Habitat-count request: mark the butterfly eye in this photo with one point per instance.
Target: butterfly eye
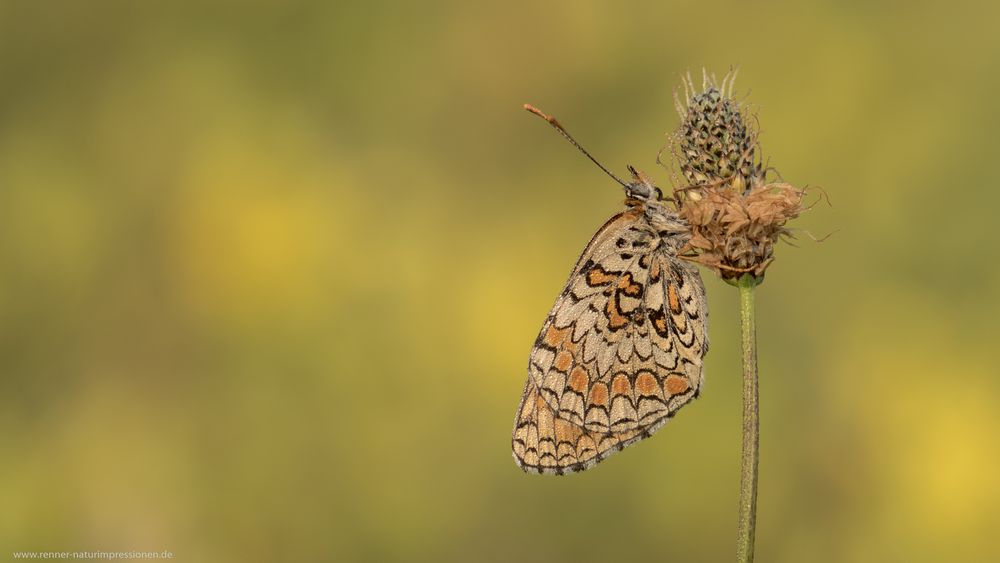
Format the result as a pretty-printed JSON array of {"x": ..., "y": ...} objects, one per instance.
[{"x": 659, "y": 194}]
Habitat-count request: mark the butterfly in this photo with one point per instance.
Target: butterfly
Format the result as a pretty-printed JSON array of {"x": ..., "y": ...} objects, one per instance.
[{"x": 622, "y": 349}]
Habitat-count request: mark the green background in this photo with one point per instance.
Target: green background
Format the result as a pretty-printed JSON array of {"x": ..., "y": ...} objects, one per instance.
[{"x": 270, "y": 272}]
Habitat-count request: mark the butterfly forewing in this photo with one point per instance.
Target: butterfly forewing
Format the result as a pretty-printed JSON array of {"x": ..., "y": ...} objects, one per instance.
[{"x": 620, "y": 352}]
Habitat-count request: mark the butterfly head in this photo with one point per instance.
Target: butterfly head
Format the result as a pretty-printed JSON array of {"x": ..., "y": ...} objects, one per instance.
[
  {"x": 641, "y": 187},
  {"x": 643, "y": 194}
]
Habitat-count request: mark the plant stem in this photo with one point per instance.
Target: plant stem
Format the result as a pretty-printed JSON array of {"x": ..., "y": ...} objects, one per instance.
[{"x": 751, "y": 424}]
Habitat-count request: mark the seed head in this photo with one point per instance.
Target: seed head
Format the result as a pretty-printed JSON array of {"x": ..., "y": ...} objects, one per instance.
[
  {"x": 714, "y": 140},
  {"x": 735, "y": 215}
]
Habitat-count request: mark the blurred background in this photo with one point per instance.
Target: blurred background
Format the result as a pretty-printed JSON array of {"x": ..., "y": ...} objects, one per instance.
[{"x": 270, "y": 273}]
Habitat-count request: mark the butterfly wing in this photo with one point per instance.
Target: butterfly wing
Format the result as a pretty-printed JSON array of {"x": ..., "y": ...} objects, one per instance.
[
  {"x": 620, "y": 352},
  {"x": 545, "y": 443}
]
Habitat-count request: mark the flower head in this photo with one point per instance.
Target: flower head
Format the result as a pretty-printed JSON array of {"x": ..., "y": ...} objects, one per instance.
[{"x": 736, "y": 216}]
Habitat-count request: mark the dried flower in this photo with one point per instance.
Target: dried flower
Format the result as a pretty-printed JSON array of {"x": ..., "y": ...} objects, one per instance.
[{"x": 736, "y": 215}]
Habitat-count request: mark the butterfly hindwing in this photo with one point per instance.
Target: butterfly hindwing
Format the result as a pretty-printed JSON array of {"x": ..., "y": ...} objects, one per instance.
[{"x": 620, "y": 352}]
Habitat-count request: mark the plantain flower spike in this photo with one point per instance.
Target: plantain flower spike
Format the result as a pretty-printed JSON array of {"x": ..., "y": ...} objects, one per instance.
[{"x": 736, "y": 215}]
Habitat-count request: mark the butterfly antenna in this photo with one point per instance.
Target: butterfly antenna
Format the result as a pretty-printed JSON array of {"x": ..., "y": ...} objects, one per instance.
[{"x": 552, "y": 121}]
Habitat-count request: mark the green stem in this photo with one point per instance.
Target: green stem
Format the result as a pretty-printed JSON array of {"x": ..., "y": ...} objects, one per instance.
[{"x": 751, "y": 424}]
